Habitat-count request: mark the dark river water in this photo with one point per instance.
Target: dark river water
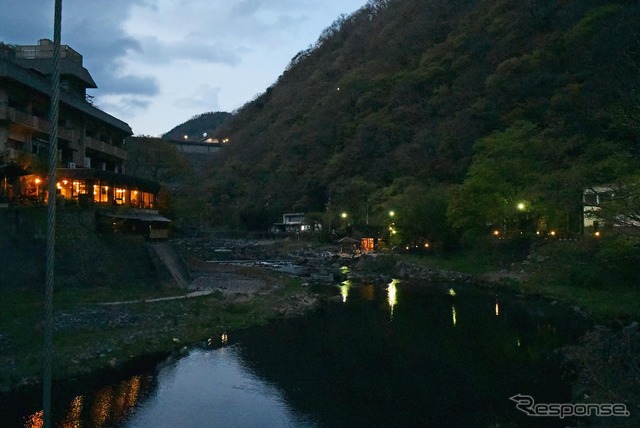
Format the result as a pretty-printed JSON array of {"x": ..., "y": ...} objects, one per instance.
[{"x": 399, "y": 355}]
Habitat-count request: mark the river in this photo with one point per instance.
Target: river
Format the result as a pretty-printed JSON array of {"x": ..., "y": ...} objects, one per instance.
[{"x": 398, "y": 355}]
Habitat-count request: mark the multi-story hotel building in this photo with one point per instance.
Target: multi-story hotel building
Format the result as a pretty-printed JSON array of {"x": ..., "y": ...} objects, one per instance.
[{"x": 91, "y": 143}]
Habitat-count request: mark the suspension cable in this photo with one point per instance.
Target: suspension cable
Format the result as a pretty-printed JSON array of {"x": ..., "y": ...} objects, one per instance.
[{"x": 51, "y": 219}]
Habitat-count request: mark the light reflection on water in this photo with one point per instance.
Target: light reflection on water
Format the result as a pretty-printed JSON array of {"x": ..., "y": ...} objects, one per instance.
[
  {"x": 345, "y": 286},
  {"x": 343, "y": 365},
  {"x": 205, "y": 388},
  {"x": 410, "y": 355},
  {"x": 108, "y": 405},
  {"x": 213, "y": 388},
  {"x": 454, "y": 315},
  {"x": 392, "y": 295}
]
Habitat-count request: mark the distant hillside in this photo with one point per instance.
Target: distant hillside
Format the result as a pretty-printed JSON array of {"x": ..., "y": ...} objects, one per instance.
[
  {"x": 393, "y": 103},
  {"x": 178, "y": 173},
  {"x": 195, "y": 127}
]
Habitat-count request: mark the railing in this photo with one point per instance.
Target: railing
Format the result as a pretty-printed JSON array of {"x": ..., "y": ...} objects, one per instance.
[
  {"x": 34, "y": 122},
  {"x": 107, "y": 148},
  {"x": 46, "y": 52}
]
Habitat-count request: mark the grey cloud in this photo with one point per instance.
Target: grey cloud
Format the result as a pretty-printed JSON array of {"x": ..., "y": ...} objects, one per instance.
[
  {"x": 246, "y": 8},
  {"x": 93, "y": 28},
  {"x": 124, "y": 106},
  {"x": 130, "y": 84},
  {"x": 205, "y": 97},
  {"x": 149, "y": 4},
  {"x": 155, "y": 51},
  {"x": 262, "y": 20},
  {"x": 139, "y": 103},
  {"x": 102, "y": 59},
  {"x": 25, "y": 21}
]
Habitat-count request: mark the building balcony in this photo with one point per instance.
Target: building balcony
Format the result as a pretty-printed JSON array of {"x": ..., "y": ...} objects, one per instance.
[
  {"x": 106, "y": 148},
  {"x": 34, "y": 122}
]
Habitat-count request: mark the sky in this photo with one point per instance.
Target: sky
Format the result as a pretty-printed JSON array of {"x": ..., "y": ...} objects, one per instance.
[{"x": 157, "y": 63}]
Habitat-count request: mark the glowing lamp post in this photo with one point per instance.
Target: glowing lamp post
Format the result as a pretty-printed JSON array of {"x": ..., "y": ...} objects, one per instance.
[{"x": 523, "y": 217}]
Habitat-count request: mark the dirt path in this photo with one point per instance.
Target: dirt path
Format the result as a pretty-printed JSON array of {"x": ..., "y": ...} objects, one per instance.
[{"x": 162, "y": 299}]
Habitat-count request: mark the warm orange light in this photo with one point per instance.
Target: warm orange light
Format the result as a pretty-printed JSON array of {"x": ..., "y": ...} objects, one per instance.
[
  {"x": 496, "y": 232},
  {"x": 65, "y": 182},
  {"x": 552, "y": 233},
  {"x": 426, "y": 245},
  {"x": 38, "y": 181},
  {"x": 35, "y": 421},
  {"x": 597, "y": 234}
]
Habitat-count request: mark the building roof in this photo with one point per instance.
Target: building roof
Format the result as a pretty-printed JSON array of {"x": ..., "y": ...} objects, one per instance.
[
  {"x": 12, "y": 170},
  {"x": 10, "y": 69},
  {"x": 40, "y": 58},
  {"x": 140, "y": 215},
  {"x": 67, "y": 68}
]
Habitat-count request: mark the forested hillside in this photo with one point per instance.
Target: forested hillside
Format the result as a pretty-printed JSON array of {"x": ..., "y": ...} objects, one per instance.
[
  {"x": 450, "y": 112},
  {"x": 197, "y": 125}
]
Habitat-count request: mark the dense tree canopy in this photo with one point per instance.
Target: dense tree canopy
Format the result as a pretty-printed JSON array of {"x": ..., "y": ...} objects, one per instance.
[
  {"x": 503, "y": 100},
  {"x": 197, "y": 126}
]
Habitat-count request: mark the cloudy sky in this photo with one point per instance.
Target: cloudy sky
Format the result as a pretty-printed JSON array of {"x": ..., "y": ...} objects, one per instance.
[{"x": 157, "y": 63}]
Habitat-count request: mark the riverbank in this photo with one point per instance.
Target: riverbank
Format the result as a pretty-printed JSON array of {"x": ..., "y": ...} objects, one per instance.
[
  {"x": 93, "y": 269},
  {"x": 233, "y": 289},
  {"x": 105, "y": 328}
]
